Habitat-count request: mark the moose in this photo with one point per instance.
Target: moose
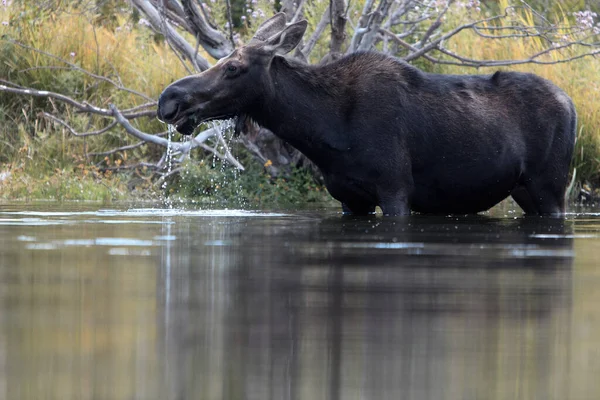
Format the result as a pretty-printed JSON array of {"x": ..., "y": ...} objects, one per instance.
[{"x": 385, "y": 133}]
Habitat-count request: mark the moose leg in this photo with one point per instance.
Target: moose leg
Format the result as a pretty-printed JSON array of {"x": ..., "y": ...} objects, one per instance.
[
  {"x": 542, "y": 197},
  {"x": 395, "y": 205},
  {"x": 524, "y": 200},
  {"x": 549, "y": 202}
]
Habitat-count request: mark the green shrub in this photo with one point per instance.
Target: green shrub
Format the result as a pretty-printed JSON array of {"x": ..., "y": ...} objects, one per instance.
[{"x": 217, "y": 184}]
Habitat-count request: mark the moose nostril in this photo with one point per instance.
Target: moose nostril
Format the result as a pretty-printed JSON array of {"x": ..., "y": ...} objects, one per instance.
[{"x": 167, "y": 110}]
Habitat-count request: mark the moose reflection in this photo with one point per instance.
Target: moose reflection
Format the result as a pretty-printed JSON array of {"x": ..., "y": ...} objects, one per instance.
[
  {"x": 326, "y": 310},
  {"x": 384, "y": 133}
]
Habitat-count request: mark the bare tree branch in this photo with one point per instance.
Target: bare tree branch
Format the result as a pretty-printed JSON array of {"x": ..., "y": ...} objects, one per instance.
[
  {"x": 434, "y": 26},
  {"x": 65, "y": 99},
  {"x": 118, "y": 149},
  {"x": 372, "y": 28},
  {"x": 178, "y": 41},
  {"x": 298, "y": 13},
  {"x": 434, "y": 44},
  {"x": 213, "y": 41},
  {"x": 361, "y": 27},
  {"x": 533, "y": 59},
  {"x": 133, "y": 166},
  {"x": 81, "y": 106},
  {"x": 400, "y": 11},
  {"x": 174, "y": 11},
  {"x": 468, "y": 62},
  {"x": 176, "y": 147},
  {"x": 230, "y": 22},
  {"x": 166, "y": 175},
  {"x": 337, "y": 21},
  {"x": 310, "y": 43}
]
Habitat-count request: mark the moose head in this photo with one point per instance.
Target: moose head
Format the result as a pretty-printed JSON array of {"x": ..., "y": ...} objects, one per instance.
[{"x": 234, "y": 84}]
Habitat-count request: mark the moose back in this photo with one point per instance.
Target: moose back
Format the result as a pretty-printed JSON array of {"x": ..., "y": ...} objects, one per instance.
[{"x": 384, "y": 133}]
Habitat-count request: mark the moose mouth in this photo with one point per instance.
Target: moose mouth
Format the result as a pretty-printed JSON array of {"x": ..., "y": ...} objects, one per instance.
[{"x": 187, "y": 124}]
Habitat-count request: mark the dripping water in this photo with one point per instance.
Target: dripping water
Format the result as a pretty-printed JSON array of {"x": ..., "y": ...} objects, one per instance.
[{"x": 169, "y": 166}]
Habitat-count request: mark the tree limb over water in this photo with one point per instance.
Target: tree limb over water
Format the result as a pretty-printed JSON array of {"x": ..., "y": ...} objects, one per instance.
[{"x": 123, "y": 118}]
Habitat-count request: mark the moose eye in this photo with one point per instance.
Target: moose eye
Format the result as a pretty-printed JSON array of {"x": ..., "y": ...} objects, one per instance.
[{"x": 231, "y": 69}]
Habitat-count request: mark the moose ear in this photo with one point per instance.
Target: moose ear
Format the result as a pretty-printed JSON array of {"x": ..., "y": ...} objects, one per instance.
[
  {"x": 270, "y": 27},
  {"x": 283, "y": 42}
]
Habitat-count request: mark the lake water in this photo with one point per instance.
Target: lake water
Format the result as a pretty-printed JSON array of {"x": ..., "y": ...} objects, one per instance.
[{"x": 141, "y": 303}]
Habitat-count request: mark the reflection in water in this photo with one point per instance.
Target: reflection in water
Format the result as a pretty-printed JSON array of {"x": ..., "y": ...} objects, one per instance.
[{"x": 306, "y": 306}]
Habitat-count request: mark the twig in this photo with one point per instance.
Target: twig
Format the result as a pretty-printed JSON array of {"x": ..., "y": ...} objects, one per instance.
[
  {"x": 228, "y": 156},
  {"x": 230, "y": 22},
  {"x": 531, "y": 60},
  {"x": 206, "y": 15},
  {"x": 74, "y": 132},
  {"x": 432, "y": 45},
  {"x": 131, "y": 166},
  {"x": 298, "y": 13},
  {"x": 140, "y": 107},
  {"x": 400, "y": 11},
  {"x": 435, "y": 25},
  {"x": 366, "y": 40},
  {"x": 118, "y": 149},
  {"x": 127, "y": 147},
  {"x": 164, "y": 176},
  {"x": 406, "y": 45},
  {"x": 468, "y": 62}
]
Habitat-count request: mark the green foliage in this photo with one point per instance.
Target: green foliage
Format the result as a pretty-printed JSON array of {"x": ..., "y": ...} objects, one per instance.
[
  {"x": 217, "y": 184},
  {"x": 62, "y": 185},
  {"x": 33, "y": 147}
]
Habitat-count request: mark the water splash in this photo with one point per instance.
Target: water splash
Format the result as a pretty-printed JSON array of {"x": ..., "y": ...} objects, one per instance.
[{"x": 222, "y": 143}]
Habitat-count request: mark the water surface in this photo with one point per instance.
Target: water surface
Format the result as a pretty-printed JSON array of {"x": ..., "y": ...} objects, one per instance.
[{"x": 143, "y": 303}]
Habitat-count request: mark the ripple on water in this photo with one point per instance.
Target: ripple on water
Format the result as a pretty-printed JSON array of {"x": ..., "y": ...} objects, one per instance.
[
  {"x": 566, "y": 236},
  {"x": 102, "y": 241},
  {"x": 201, "y": 213},
  {"x": 45, "y": 218}
]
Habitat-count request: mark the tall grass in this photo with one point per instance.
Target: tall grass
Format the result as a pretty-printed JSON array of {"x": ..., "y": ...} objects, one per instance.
[
  {"x": 124, "y": 53},
  {"x": 129, "y": 56}
]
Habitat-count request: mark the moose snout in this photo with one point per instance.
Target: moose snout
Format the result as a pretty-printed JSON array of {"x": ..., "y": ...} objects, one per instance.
[
  {"x": 169, "y": 104},
  {"x": 167, "y": 110}
]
